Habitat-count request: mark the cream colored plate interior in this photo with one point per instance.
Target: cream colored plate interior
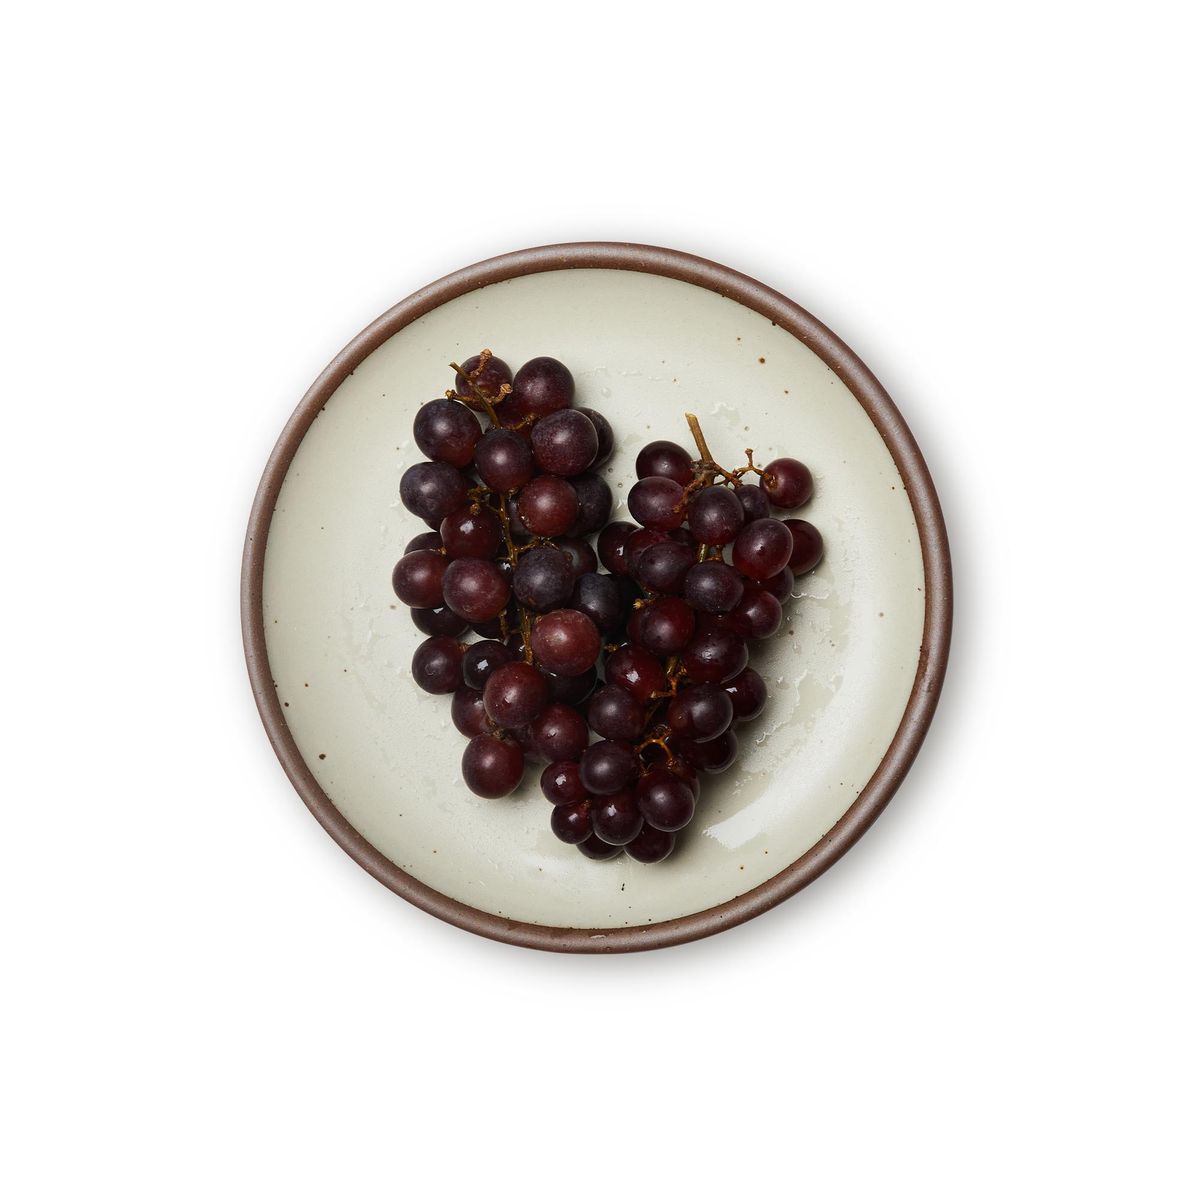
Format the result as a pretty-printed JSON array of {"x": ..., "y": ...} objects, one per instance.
[{"x": 644, "y": 350}]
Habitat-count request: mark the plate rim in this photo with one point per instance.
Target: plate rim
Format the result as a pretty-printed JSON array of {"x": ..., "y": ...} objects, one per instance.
[{"x": 931, "y": 529}]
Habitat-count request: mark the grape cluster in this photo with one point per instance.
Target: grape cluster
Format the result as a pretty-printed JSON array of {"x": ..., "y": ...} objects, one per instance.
[{"x": 706, "y": 570}]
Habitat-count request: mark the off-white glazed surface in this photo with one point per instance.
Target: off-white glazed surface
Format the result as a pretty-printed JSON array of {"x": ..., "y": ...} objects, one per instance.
[{"x": 643, "y": 350}]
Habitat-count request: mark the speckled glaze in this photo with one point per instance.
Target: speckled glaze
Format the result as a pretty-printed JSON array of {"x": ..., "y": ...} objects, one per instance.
[{"x": 853, "y": 675}]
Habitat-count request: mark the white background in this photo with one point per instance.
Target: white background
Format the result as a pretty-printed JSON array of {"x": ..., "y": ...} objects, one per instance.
[{"x": 994, "y": 994}]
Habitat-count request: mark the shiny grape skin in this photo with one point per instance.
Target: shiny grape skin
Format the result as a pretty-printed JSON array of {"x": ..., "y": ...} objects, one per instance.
[
  {"x": 700, "y": 712},
  {"x": 558, "y": 733},
  {"x": 714, "y": 516},
  {"x": 712, "y": 587},
  {"x": 481, "y": 659},
  {"x": 748, "y": 692},
  {"x": 715, "y": 655},
  {"x": 561, "y": 785},
  {"x": 437, "y": 665},
  {"x": 599, "y": 597},
  {"x": 475, "y": 589},
  {"x": 637, "y": 671},
  {"x": 542, "y": 386},
  {"x": 663, "y": 568},
  {"x": 616, "y": 819},
  {"x": 516, "y": 527},
  {"x": 713, "y": 756},
  {"x": 651, "y": 845},
  {"x": 543, "y": 579},
  {"x": 571, "y": 823},
  {"x": 610, "y": 545},
  {"x": 418, "y": 577},
  {"x": 579, "y": 554},
  {"x": 665, "y": 626},
  {"x": 666, "y": 801},
  {"x": 492, "y": 767},
  {"x": 753, "y": 500},
  {"x": 438, "y": 622},
  {"x": 514, "y": 694},
  {"x": 597, "y": 849},
  {"x": 780, "y": 586},
  {"x": 808, "y": 547},
  {"x": 595, "y": 504},
  {"x": 657, "y": 503},
  {"x": 471, "y": 532},
  {"x": 604, "y": 436},
  {"x": 445, "y": 431},
  {"x": 432, "y": 491},
  {"x": 608, "y": 767},
  {"x": 571, "y": 689},
  {"x": 639, "y": 541},
  {"x": 787, "y": 482},
  {"x": 548, "y": 506},
  {"x": 488, "y": 381},
  {"x": 430, "y": 540},
  {"x": 468, "y": 713},
  {"x": 762, "y": 549},
  {"x": 504, "y": 460},
  {"x": 758, "y": 615},
  {"x": 665, "y": 459},
  {"x": 565, "y": 442},
  {"x": 616, "y": 714},
  {"x": 565, "y": 642}
]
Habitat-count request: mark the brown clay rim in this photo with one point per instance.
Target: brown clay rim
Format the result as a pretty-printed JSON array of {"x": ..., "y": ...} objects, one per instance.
[{"x": 931, "y": 666}]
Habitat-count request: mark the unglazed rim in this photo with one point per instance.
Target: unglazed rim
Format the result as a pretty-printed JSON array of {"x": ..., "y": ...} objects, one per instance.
[{"x": 931, "y": 664}]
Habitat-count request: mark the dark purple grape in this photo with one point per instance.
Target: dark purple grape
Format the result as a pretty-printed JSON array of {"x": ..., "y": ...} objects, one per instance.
[
  {"x": 665, "y": 459},
  {"x": 714, "y": 516},
  {"x": 430, "y": 540},
  {"x": 571, "y": 823},
  {"x": 616, "y": 819},
  {"x": 571, "y": 689},
  {"x": 639, "y": 541},
  {"x": 418, "y": 577},
  {"x": 438, "y": 622},
  {"x": 595, "y": 504},
  {"x": 607, "y": 767},
  {"x": 475, "y": 589},
  {"x": 548, "y": 506},
  {"x": 713, "y": 587},
  {"x": 748, "y": 693},
  {"x": 651, "y": 845},
  {"x": 604, "y": 436},
  {"x": 481, "y": 659},
  {"x": 432, "y": 490},
  {"x": 780, "y": 586},
  {"x": 657, "y": 503},
  {"x": 543, "y": 579},
  {"x": 637, "y": 671},
  {"x": 598, "y": 597},
  {"x": 753, "y": 500},
  {"x": 788, "y": 482},
  {"x": 616, "y": 714},
  {"x": 516, "y": 527},
  {"x": 504, "y": 460},
  {"x": 762, "y": 549},
  {"x": 446, "y": 432},
  {"x": 561, "y": 784},
  {"x": 565, "y": 642},
  {"x": 700, "y": 712},
  {"x": 467, "y": 712},
  {"x": 663, "y": 626},
  {"x": 471, "y": 532},
  {"x": 565, "y": 442},
  {"x": 514, "y": 694},
  {"x": 579, "y": 554},
  {"x": 610, "y": 545},
  {"x": 714, "y": 656},
  {"x": 542, "y": 386},
  {"x": 665, "y": 800},
  {"x": 558, "y": 733},
  {"x": 807, "y": 545},
  {"x": 487, "y": 379},
  {"x": 662, "y": 568},
  {"x": 598, "y": 849},
  {"x": 758, "y": 614},
  {"x": 437, "y": 665},
  {"x": 713, "y": 756},
  {"x": 491, "y": 766}
]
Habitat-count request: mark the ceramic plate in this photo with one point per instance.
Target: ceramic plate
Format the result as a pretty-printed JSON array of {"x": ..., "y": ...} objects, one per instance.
[{"x": 649, "y": 334}]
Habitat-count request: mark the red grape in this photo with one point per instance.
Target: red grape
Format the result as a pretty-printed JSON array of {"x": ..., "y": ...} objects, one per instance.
[
  {"x": 762, "y": 549},
  {"x": 432, "y": 490},
  {"x": 700, "y": 712},
  {"x": 446, "y": 432},
  {"x": 514, "y": 694},
  {"x": 566, "y": 642},
  {"x": 565, "y": 442},
  {"x": 604, "y": 436},
  {"x": 607, "y": 767},
  {"x": 504, "y": 460},
  {"x": 543, "y": 579},
  {"x": 475, "y": 589},
  {"x": 561, "y": 785},
  {"x": 471, "y": 532},
  {"x": 481, "y": 659},
  {"x": 467, "y": 712},
  {"x": 748, "y": 693},
  {"x": 657, "y": 503},
  {"x": 616, "y": 819},
  {"x": 417, "y": 579},
  {"x": 714, "y": 655},
  {"x": 663, "y": 626},
  {"x": 437, "y": 665},
  {"x": 571, "y": 823},
  {"x": 637, "y": 671},
  {"x": 788, "y": 482},
  {"x": 807, "y": 545},
  {"x": 712, "y": 587},
  {"x": 598, "y": 849},
  {"x": 548, "y": 506},
  {"x": 491, "y": 766},
  {"x": 758, "y": 614},
  {"x": 651, "y": 845},
  {"x": 487, "y": 380},
  {"x": 714, "y": 516},
  {"x": 665, "y": 800},
  {"x": 542, "y": 386},
  {"x": 440, "y": 621},
  {"x": 665, "y": 459},
  {"x": 615, "y": 713},
  {"x": 558, "y": 733}
]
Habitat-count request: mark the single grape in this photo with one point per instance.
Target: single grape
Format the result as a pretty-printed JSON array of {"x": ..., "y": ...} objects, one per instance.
[
  {"x": 571, "y": 689},
  {"x": 753, "y": 500},
  {"x": 561, "y": 785},
  {"x": 662, "y": 568},
  {"x": 571, "y": 823},
  {"x": 543, "y": 579},
  {"x": 714, "y": 515},
  {"x": 467, "y": 712},
  {"x": 598, "y": 597},
  {"x": 665, "y": 459},
  {"x": 665, "y": 800},
  {"x": 475, "y": 589},
  {"x": 579, "y": 554},
  {"x": 446, "y": 431},
  {"x": 542, "y": 386},
  {"x": 639, "y": 541},
  {"x": 657, "y": 503},
  {"x": 610, "y": 545},
  {"x": 663, "y": 626},
  {"x": 616, "y": 714},
  {"x": 651, "y": 845},
  {"x": 607, "y": 767},
  {"x": 491, "y": 766},
  {"x": 712, "y": 587},
  {"x": 471, "y": 532},
  {"x": 748, "y": 693},
  {"x": 713, "y": 756},
  {"x": 418, "y": 577},
  {"x": 700, "y": 712},
  {"x": 780, "y": 586},
  {"x": 595, "y": 504},
  {"x": 604, "y": 436},
  {"x": 487, "y": 379},
  {"x": 432, "y": 491},
  {"x": 565, "y": 642},
  {"x": 616, "y": 819},
  {"x": 637, "y": 671},
  {"x": 514, "y": 694},
  {"x": 598, "y": 849},
  {"x": 758, "y": 614},
  {"x": 548, "y": 506},
  {"x": 481, "y": 659},
  {"x": 788, "y": 482},
  {"x": 438, "y": 622},
  {"x": 558, "y": 733},
  {"x": 807, "y": 545},
  {"x": 565, "y": 442},
  {"x": 714, "y": 655},
  {"x": 504, "y": 460},
  {"x": 430, "y": 540},
  {"x": 437, "y": 665},
  {"x": 762, "y": 549}
]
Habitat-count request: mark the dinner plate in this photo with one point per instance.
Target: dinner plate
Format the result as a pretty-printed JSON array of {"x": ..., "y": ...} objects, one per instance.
[{"x": 649, "y": 334}]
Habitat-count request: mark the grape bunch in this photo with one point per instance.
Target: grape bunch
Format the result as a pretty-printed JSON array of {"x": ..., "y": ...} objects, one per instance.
[{"x": 511, "y": 504}]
